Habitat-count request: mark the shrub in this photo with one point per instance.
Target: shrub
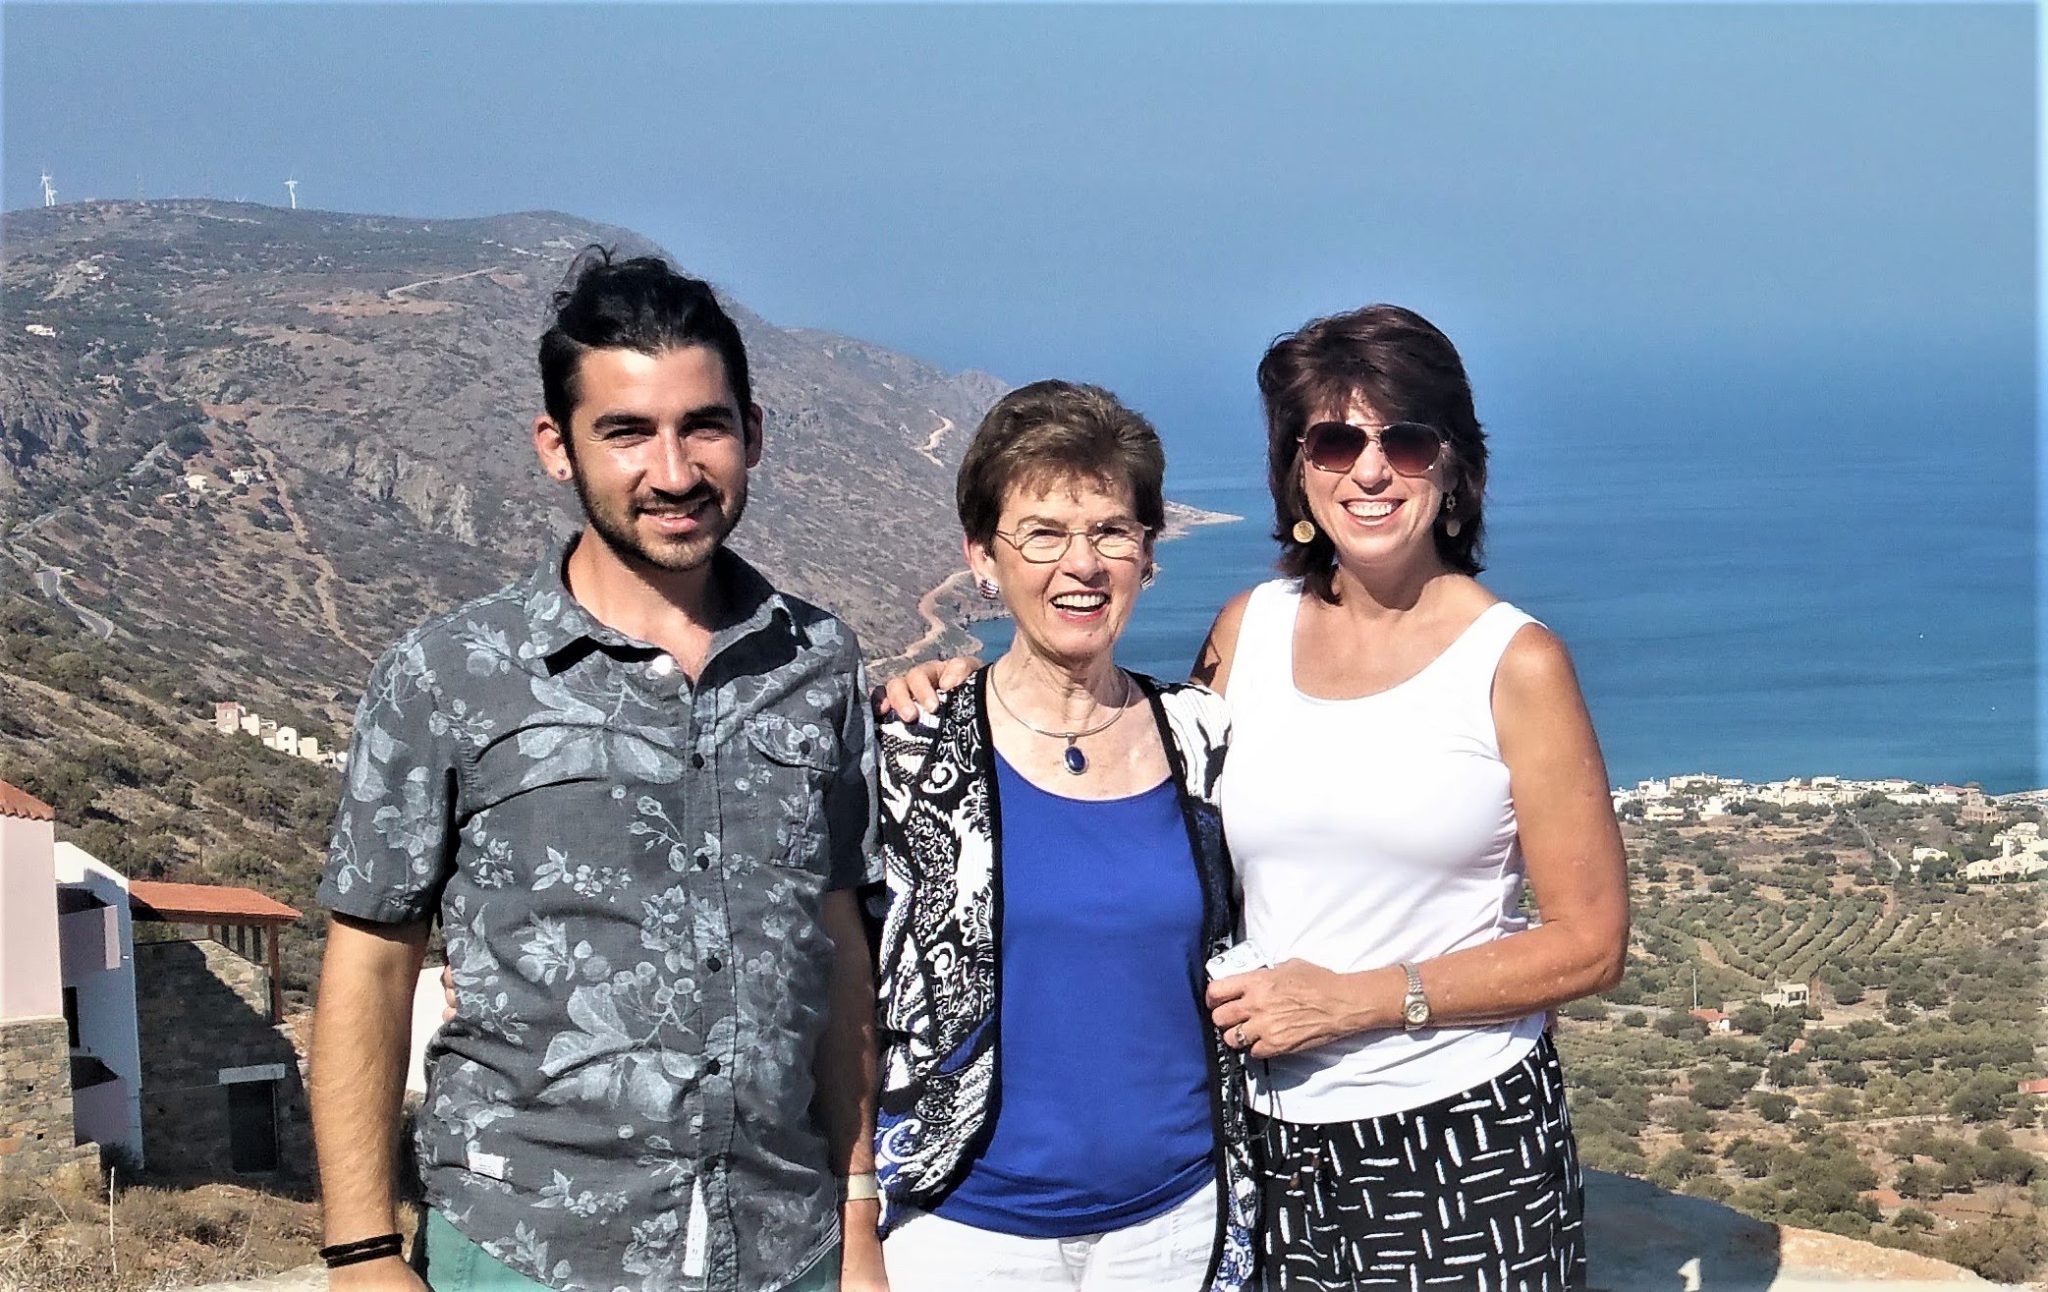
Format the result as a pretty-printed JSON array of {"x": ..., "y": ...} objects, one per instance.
[
  {"x": 1772, "y": 1106},
  {"x": 1981, "y": 1098},
  {"x": 1589, "y": 1010},
  {"x": 2004, "y": 1250}
]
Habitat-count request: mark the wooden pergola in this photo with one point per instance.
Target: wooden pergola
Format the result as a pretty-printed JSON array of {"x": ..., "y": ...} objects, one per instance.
[{"x": 241, "y": 919}]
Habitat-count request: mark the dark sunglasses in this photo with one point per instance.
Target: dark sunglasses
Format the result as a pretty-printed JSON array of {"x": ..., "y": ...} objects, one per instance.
[{"x": 1410, "y": 448}]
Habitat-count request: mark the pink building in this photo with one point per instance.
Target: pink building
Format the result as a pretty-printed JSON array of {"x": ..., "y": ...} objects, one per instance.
[{"x": 37, "y": 1136}]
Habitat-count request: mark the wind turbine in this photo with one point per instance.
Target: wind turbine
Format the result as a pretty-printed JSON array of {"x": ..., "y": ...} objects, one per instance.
[
  {"x": 49, "y": 191},
  {"x": 291, "y": 186}
]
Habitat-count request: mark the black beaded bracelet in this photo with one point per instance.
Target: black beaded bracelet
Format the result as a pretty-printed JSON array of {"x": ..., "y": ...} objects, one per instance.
[{"x": 363, "y": 1249}]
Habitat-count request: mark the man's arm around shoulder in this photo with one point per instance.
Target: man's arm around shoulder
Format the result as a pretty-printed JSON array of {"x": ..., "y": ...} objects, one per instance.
[{"x": 362, "y": 1035}]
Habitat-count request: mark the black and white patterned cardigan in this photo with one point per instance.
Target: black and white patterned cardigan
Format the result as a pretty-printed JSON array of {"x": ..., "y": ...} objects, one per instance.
[{"x": 938, "y": 985}]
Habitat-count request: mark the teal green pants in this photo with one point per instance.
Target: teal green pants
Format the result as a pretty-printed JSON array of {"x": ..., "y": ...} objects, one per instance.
[{"x": 455, "y": 1264}]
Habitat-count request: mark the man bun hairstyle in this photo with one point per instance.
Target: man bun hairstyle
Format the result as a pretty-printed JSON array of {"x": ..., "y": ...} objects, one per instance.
[
  {"x": 1398, "y": 364},
  {"x": 642, "y": 304}
]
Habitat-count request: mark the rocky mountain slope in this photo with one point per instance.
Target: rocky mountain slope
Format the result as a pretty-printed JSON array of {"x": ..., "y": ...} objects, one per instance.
[{"x": 258, "y": 443}]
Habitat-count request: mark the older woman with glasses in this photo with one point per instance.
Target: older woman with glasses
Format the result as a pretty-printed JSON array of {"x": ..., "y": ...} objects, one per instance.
[
  {"x": 1057, "y": 1110},
  {"x": 1407, "y": 751}
]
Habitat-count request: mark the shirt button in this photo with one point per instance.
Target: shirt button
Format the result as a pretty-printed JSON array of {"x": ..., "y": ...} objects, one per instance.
[
  {"x": 662, "y": 665},
  {"x": 703, "y": 861},
  {"x": 711, "y": 1070},
  {"x": 697, "y": 761},
  {"x": 713, "y": 963}
]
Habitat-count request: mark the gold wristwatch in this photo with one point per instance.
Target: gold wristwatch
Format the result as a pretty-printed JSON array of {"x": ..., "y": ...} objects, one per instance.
[{"x": 1414, "y": 1005}]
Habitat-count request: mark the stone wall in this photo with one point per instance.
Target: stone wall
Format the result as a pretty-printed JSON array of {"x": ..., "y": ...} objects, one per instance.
[
  {"x": 36, "y": 1136},
  {"x": 204, "y": 1010}
]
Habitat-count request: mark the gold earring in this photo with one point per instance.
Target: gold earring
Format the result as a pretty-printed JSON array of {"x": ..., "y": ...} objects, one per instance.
[{"x": 1304, "y": 532}]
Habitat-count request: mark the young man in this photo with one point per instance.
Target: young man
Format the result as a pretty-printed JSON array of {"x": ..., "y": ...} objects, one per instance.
[{"x": 637, "y": 790}]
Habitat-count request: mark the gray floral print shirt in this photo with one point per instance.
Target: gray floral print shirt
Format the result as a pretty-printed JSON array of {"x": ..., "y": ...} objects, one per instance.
[{"x": 629, "y": 872}]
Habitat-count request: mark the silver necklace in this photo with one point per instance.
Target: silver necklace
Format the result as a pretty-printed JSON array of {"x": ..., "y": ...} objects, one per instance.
[{"x": 1076, "y": 761}]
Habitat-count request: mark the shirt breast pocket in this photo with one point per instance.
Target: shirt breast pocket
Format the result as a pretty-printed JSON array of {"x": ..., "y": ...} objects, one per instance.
[{"x": 783, "y": 788}]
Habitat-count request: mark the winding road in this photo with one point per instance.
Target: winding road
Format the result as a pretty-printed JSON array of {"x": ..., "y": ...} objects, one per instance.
[
  {"x": 931, "y": 444},
  {"x": 50, "y": 580}
]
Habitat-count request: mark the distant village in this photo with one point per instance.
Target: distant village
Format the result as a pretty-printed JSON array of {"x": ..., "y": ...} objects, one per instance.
[
  {"x": 229, "y": 718},
  {"x": 2021, "y": 851}
]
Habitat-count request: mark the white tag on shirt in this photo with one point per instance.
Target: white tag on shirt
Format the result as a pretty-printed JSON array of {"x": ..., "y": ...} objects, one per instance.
[
  {"x": 487, "y": 1164},
  {"x": 696, "y": 1233}
]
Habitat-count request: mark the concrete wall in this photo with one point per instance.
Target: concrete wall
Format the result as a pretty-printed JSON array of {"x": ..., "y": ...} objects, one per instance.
[
  {"x": 205, "y": 1015},
  {"x": 107, "y": 1028},
  {"x": 30, "y": 985}
]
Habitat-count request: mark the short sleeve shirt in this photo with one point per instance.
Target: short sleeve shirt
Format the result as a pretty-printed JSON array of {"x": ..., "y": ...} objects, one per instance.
[{"x": 629, "y": 871}]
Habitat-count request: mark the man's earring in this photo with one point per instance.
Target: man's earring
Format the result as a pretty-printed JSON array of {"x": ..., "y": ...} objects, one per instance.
[
  {"x": 1304, "y": 532},
  {"x": 988, "y": 589}
]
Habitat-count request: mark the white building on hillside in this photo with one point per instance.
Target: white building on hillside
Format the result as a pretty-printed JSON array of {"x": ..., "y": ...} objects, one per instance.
[
  {"x": 96, "y": 937},
  {"x": 2019, "y": 865}
]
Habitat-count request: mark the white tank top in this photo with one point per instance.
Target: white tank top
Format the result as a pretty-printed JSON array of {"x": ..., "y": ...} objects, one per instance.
[{"x": 1368, "y": 832}]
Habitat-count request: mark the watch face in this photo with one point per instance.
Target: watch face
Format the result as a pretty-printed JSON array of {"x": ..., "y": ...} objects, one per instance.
[{"x": 1416, "y": 1012}]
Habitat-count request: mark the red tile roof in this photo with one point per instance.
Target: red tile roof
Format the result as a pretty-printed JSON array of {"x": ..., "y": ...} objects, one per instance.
[
  {"x": 205, "y": 903},
  {"x": 16, "y": 801}
]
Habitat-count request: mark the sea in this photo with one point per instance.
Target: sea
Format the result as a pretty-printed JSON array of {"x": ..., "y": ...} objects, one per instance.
[{"x": 1803, "y": 612}]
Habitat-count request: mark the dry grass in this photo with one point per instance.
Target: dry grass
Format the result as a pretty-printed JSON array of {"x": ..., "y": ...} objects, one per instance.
[{"x": 56, "y": 1239}]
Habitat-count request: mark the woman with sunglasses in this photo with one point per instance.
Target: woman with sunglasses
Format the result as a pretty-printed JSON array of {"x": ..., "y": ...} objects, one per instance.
[
  {"x": 1406, "y": 751},
  {"x": 1056, "y": 1109}
]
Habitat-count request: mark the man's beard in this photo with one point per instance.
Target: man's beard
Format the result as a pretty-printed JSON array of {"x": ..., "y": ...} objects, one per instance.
[{"x": 617, "y": 528}]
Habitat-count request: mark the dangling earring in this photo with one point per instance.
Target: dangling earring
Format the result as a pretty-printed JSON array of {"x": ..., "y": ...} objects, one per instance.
[
  {"x": 1452, "y": 525},
  {"x": 988, "y": 589},
  {"x": 1304, "y": 532},
  {"x": 1151, "y": 575}
]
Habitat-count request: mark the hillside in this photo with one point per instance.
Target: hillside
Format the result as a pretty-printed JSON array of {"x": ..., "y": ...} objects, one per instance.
[
  {"x": 1886, "y": 1108},
  {"x": 256, "y": 444}
]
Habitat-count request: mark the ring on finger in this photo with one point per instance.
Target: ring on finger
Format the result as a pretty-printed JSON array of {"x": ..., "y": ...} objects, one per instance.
[{"x": 1240, "y": 1036}]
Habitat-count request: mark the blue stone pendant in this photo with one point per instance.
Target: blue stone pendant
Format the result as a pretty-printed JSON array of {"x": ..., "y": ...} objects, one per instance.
[{"x": 1077, "y": 762}]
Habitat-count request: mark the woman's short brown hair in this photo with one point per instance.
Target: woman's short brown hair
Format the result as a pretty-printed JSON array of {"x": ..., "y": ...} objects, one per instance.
[
  {"x": 1053, "y": 430},
  {"x": 1398, "y": 364}
]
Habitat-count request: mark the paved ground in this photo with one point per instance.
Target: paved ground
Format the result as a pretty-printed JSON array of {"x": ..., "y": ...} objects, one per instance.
[{"x": 1642, "y": 1240}]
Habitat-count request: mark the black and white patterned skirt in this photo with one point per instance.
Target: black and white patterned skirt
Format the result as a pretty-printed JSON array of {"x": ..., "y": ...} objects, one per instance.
[{"x": 1480, "y": 1190}]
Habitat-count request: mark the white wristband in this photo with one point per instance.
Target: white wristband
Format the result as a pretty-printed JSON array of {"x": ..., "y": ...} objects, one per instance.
[{"x": 859, "y": 1188}]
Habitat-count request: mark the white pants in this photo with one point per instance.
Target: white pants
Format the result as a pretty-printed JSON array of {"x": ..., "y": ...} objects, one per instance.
[{"x": 1168, "y": 1253}]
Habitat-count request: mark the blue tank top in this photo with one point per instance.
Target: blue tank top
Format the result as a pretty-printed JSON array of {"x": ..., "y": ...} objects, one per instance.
[{"x": 1102, "y": 1115}]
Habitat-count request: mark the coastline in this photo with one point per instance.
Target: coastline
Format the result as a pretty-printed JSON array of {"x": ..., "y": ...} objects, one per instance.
[
  {"x": 952, "y": 604},
  {"x": 1181, "y": 518}
]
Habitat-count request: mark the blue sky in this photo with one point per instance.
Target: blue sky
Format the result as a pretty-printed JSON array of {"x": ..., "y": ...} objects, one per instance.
[{"x": 1141, "y": 195}]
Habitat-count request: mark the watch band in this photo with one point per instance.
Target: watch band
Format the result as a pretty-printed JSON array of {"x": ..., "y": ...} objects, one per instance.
[{"x": 1416, "y": 997}]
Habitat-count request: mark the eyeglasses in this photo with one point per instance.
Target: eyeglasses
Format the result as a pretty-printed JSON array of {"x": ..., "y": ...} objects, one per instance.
[
  {"x": 1410, "y": 448},
  {"x": 1043, "y": 544}
]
